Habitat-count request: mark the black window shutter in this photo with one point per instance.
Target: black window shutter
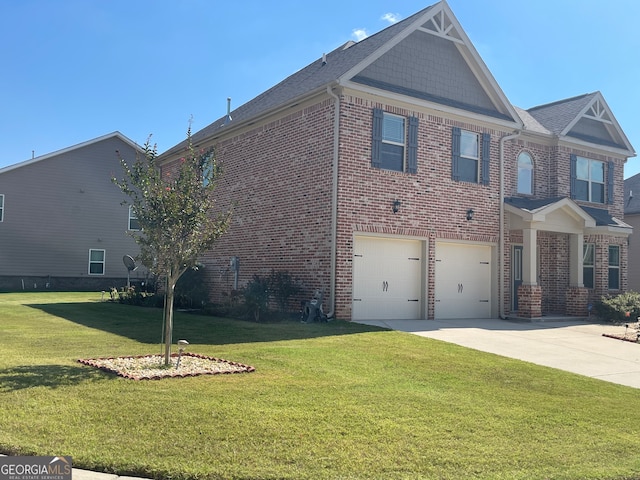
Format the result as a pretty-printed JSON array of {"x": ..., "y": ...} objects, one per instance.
[
  {"x": 574, "y": 166},
  {"x": 412, "y": 149},
  {"x": 376, "y": 141},
  {"x": 610, "y": 172},
  {"x": 455, "y": 153},
  {"x": 486, "y": 157}
]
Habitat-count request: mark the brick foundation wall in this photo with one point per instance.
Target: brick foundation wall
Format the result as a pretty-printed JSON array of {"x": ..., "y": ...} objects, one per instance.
[
  {"x": 530, "y": 301},
  {"x": 577, "y": 301}
]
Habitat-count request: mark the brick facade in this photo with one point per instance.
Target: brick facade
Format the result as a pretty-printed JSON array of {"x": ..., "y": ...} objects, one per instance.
[
  {"x": 529, "y": 301},
  {"x": 279, "y": 183},
  {"x": 284, "y": 163}
]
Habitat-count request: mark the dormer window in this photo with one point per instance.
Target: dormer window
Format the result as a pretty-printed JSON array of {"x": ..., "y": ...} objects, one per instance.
[{"x": 525, "y": 174}]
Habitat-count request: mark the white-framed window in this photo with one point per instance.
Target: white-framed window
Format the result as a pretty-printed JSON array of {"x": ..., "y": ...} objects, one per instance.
[
  {"x": 614, "y": 267},
  {"x": 393, "y": 142},
  {"x": 207, "y": 169},
  {"x": 469, "y": 157},
  {"x": 588, "y": 265},
  {"x": 590, "y": 180},
  {"x": 1, "y": 207},
  {"x": 96, "y": 261},
  {"x": 133, "y": 219},
  {"x": 525, "y": 174}
]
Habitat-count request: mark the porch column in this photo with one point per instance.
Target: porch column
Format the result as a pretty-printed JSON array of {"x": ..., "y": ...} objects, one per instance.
[
  {"x": 529, "y": 293},
  {"x": 577, "y": 296},
  {"x": 576, "y": 257},
  {"x": 529, "y": 256}
]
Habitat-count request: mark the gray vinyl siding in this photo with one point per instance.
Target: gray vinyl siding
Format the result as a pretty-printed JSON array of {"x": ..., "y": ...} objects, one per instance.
[{"x": 59, "y": 208}]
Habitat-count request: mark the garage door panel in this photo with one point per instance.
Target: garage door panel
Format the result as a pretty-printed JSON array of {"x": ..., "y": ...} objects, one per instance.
[
  {"x": 386, "y": 278},
  {"x": 463, "y": 281}
]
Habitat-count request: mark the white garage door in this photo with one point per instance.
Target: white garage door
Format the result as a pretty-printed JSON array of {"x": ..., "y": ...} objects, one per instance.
[
  {"x": 387, "y": 279},
  {"x": 463, "y": 281}
]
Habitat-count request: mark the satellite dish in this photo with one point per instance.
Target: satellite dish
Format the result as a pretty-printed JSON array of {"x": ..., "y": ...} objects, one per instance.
[{"x": 130, "y": 263}]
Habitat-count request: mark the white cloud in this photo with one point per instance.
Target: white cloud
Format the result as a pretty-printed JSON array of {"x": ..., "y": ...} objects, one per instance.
[
  {"x": 391, "y": 17},
  {"x": 359, "y": 34}
]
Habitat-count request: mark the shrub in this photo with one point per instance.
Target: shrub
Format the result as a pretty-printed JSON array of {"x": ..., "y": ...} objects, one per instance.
[
  {"x": 133, "y": 296},
  {"x": 191, "y": 291},
  {"x": 282, "y": 286},
  {"x": 619, "y": 308},
  {"x": 256, "y": 296}
]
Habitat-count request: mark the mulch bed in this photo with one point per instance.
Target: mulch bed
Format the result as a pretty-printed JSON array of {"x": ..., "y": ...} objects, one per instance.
[{"x": 152, "y": 367}]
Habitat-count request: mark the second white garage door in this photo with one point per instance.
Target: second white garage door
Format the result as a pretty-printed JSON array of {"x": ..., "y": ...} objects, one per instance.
[
  {"x": 463, "y": 281},
  {"x": 387, "y": 278}
]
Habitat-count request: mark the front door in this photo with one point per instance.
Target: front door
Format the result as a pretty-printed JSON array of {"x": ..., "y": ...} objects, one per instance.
[{"x": 516, "y": 274}]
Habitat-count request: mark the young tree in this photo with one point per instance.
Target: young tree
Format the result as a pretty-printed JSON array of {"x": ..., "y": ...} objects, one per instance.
[{"x": 176, "y": 213}]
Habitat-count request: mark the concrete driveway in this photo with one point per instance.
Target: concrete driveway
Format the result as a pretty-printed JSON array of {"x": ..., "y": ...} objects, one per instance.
[{"x": 573, "y": 345}]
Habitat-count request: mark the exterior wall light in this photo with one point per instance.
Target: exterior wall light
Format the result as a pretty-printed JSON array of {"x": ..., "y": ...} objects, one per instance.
[
  {"x": 470, "y": 213},
  {"x": 396, "y": 205}
]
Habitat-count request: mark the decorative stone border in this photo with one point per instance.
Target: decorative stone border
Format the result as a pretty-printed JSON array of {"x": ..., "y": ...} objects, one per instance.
[
  {"x": 619, "y": 337},
  {"x": 151, "y": 367}
]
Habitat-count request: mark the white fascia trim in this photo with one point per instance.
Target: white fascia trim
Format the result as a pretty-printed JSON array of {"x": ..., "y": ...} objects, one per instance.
[
  {"x": 416, "y": 103},
  {"x": 572, "y": 142},
  {"x": 609, "y": 230}
]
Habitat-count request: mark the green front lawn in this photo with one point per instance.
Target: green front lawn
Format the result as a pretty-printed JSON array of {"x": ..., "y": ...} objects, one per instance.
[{"x": 327, "y": 401}]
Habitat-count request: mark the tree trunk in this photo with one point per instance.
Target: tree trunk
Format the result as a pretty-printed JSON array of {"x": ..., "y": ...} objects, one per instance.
[{"x": 168, "y": 319}]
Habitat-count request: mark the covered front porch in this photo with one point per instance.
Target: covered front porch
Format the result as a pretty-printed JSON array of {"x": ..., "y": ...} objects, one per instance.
[{"x": 547, "y": 255}]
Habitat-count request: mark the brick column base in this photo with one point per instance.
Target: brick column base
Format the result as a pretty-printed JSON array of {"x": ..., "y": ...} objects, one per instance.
[
  {"x": 529, "y": 301},
  {"x": 577, "y": 301}
]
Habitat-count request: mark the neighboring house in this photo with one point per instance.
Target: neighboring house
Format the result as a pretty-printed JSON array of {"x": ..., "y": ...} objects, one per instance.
[
  {"x": 632, "y": 217},
  {"x": 394, "y": 175},
  {"x": 62, "y": 222}
]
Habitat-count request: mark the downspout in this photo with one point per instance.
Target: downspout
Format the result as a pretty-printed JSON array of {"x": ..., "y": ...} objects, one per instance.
[
  {"x": 334, "y": 203},
  {"x": 501, "y": 295}
]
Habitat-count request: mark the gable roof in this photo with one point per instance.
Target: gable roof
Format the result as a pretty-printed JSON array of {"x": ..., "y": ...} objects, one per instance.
[
  {"x": 536, "y": 209},
  {"x": 354, "y": 64},
  {"x": 406, "y": 60},
  {"x": 586, "y": 118},
  {"x": 115, "y": 134}
]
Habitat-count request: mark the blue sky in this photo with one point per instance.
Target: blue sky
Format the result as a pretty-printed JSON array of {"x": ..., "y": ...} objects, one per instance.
[{"x": 74, "y": 70}]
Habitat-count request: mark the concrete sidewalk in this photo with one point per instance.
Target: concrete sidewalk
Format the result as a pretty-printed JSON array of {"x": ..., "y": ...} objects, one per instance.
[{"x": 573, "y": 345}]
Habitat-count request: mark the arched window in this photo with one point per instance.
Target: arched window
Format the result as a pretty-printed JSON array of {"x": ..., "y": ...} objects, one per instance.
[{"x": 525, "y": 174}]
